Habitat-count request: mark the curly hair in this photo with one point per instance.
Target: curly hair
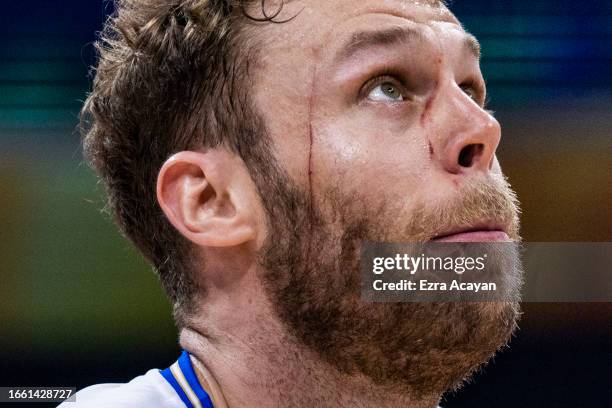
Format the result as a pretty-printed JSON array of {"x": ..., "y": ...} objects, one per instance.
[{"x": 172, "y": 75}]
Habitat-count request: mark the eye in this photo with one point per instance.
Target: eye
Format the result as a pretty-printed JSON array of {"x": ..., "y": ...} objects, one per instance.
[
  {"x": 386, "y": 92},
  {"x": 475, "y": 92},
  {"x": 469, "y": 91}
]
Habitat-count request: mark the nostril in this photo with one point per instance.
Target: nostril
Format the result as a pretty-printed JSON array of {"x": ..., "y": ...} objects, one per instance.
[{"x": 469, "y": 154}]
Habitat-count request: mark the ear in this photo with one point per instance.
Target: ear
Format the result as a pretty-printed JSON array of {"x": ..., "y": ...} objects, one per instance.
[{"x": 208, "y": 196}]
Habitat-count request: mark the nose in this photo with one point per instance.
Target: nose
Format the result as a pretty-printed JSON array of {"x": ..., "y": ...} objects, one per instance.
[{"x": 466, "y": 136}]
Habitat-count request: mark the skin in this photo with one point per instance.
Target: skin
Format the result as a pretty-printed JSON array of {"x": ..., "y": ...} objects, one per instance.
[
  {"x": 335, "y": 132},
  {"x": 442, "y": 118}
]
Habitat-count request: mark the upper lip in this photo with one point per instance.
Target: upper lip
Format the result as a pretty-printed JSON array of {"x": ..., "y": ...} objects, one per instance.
[{"x": 483, "y": 226}]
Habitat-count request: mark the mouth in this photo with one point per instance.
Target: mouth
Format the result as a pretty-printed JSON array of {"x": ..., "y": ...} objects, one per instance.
[{"x": 478, "y": 233}]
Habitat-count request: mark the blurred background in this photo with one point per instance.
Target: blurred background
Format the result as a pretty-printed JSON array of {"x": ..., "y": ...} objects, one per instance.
[{"x": 79, "y": 306}]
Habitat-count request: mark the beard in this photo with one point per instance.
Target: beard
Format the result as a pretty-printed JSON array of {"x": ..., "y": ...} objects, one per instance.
[{"x": 311, "y": 271}]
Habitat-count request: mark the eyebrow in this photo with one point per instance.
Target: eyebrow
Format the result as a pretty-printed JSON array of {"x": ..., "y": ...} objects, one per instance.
[
  {"x": 471, "y": 44},
  {"x": 394, "y": 36},
  {"x": 390, "y": 36}
]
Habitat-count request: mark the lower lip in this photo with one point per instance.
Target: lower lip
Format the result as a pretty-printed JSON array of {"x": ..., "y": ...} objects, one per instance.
[{"x": 476, "y": 236}]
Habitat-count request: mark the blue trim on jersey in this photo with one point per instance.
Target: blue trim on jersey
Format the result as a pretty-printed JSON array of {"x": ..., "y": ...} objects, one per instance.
[
  {"x": 184, "y": 364},
  {"x": 190, "y": 375},
  {"x": 167, "y": 374}
]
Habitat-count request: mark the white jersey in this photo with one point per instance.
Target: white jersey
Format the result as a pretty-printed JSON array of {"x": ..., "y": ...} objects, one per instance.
[{"x": 174, "y": 387}]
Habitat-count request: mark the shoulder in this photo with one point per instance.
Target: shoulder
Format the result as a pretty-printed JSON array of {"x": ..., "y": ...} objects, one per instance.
[{"x": 149, "y": 390}]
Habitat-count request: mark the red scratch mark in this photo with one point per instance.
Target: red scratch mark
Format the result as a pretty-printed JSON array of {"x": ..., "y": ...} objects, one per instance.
[
  {"x": 311, "y": 141},
  {"x": 311, "y": 103},
  {"x": 310, "y": 189}
]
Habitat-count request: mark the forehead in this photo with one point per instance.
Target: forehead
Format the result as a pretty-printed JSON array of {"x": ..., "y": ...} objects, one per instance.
[
  {"x": 315, "y": 23},
  {"x": 298, "y": 58}
]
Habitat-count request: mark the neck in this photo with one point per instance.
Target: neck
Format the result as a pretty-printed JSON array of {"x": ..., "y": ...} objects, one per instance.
[{"x": 260, "y": 365}]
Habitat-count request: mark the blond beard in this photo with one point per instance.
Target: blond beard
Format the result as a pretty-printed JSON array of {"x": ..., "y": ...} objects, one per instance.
[{"x": 311, "y": 274}]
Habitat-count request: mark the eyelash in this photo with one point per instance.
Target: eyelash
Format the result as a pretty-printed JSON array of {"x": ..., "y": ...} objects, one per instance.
[
  {"x": 387, "y": 75},
  {"x": 475, "y": 91},
  {"x": 391, "y": 75}
]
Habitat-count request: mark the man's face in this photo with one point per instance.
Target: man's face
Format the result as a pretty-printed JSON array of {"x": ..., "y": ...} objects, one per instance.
[
  {"x": 375, "y": 111},
  {"x": 377, "y": 99}
]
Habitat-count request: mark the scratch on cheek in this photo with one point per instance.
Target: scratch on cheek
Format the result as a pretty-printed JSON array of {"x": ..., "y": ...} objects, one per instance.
[
  {"x": 310, "y": 205},
  {"x": 311, "y": 103}
]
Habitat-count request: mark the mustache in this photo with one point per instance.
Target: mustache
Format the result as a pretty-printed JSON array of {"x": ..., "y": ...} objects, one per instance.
[{"x": 480, "y": 202}]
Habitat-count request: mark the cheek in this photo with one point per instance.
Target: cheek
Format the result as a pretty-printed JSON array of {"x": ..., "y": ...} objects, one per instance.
[
  {"x": 284, "y": 103},
  {"x": 369, "y": 161}
]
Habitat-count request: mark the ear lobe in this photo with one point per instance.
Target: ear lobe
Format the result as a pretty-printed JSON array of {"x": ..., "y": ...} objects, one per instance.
[{"x": 193, "y": 190}]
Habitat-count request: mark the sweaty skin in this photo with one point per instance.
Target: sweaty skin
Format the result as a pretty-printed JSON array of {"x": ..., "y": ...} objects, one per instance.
[
  {"x": 350, "y": 138},
  {"x": 375, "y": 112}
]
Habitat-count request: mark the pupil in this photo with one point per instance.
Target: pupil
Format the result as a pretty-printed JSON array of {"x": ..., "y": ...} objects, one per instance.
[{"x": 390, "y": 90}]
